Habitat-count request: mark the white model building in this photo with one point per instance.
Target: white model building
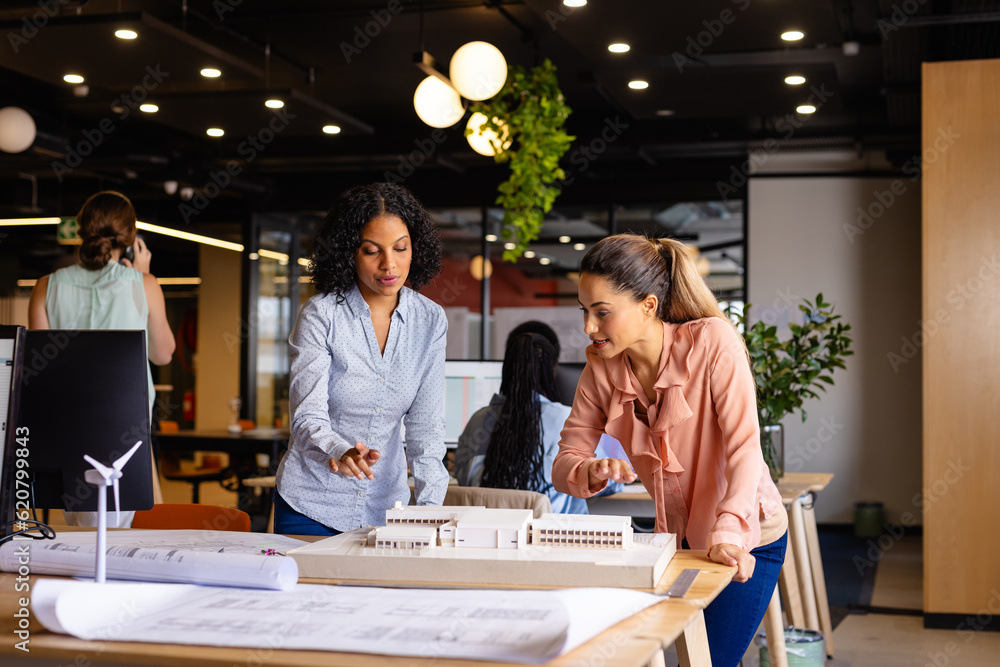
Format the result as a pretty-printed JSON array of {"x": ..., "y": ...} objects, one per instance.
[
  {"x": 493, "y": 529},
  {"x": 588, "y": 531},
  {"x": 431, "y": 515},
  {"x": 403, "y": 536},
  {"x": 418, "y": 527}
]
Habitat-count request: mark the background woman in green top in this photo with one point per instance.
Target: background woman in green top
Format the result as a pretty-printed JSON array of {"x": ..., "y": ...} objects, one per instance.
[{"x": 101, "y": 293}]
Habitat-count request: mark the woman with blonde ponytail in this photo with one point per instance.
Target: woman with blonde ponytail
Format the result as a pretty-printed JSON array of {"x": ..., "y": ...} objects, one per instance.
[
  {"x": 669, "y": 377},
  {"x": 105, "y": 291}
]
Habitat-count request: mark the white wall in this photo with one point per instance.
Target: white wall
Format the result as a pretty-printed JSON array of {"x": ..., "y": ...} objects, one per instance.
[{"x": 805, "y": 237}]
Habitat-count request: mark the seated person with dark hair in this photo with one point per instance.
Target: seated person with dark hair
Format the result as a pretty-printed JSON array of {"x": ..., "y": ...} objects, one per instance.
[{"x": 511, "y": 443}]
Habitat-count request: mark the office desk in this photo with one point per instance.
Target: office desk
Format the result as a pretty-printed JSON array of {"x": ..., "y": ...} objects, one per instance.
[
  {"x": 803, "y": 586},
  {"x": 635, "y": 642},
  {"x": 242, "y": 449},
  {"x": 248, "y": 443}
]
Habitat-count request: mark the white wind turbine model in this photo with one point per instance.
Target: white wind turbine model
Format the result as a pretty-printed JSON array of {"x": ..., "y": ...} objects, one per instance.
[{"x": 102, "y": 477}]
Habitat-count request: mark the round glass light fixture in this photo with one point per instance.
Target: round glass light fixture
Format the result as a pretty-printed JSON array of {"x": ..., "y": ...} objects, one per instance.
[
  {"x": 437, "y": 103},
  {"x": 619, "y": 47},
  {"x": 564, "y": 239},
  {"x": 638, "y": 84},
  {"x": 529, "y": 254},
  {"x": 509, "y": 246},
  {"x": 215, "y": 132},
  {"x": 149, "y": 108},
  {"x": 478, "y": 70},
  {"x": 479, "y": 269},
  {"x": 211, "y": 73},
  {"x": 544, "y": 261},
  {"x": 126, "y": 34},
  {"x": 331, "y": 129},
  {"x": 792, "y": 35},
  {"x": 805, "y": 108},
  {"x": 579, "y": 246},
  {"x": 492, "y": 238},
  {"x": 795, "y": 80},
  {"x": 72, "y": 78},
  {"x": 17, "y": 130},
  {"x": 274, "y": 104},
  {"x": 484, "y": 142},
  {"x": 575, "y": 3}
]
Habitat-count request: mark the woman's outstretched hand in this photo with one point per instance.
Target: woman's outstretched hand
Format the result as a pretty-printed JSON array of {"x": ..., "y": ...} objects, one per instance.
[
  {"x": 356, "y": 462},
  {"x": 613, "y": 469},
  {"x": 730, "y": 554}
]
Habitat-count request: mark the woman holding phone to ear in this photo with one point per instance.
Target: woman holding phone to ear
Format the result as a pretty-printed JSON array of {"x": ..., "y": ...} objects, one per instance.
[
  {"x": 669, "y": 377},
  {"x": 103, "y": 291},
  {"x": 367, "y": 357}
]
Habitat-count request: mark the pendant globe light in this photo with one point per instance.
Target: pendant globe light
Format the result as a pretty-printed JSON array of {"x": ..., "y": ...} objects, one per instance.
[
  {"x": 17, "y": 130},
  {"x": 437, "y": 103},
  {"x": 478, "y": 71},
  {"x": 484, "y": 141}
]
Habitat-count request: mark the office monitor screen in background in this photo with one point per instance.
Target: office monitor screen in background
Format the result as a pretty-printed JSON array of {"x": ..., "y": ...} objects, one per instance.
[
  {"x": 86, "y": 392},
  {"x": 468, "y": 386},
  {"x": 11, "y": 349}
]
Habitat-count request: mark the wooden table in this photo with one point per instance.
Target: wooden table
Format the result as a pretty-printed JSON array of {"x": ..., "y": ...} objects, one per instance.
[
  {"x": 635, "y": 642},
  {"x": 802, "y": 584}
]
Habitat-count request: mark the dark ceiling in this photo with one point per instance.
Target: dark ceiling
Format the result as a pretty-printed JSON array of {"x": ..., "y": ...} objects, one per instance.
[{"x": 716, "y": 71}]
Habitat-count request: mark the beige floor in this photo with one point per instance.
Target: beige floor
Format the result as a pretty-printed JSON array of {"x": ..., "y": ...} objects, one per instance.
[{"x": 882, "y": 640}]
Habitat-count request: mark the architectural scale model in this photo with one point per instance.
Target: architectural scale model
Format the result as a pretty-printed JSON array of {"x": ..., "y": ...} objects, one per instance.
[{"x": 482, "y": 546}]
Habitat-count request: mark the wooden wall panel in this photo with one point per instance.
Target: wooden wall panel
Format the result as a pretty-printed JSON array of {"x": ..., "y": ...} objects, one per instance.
[{"x": 961, "y": 350}]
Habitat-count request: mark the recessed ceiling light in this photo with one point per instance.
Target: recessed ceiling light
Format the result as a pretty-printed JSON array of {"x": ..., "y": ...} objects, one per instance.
[
  {"x": 211, "y": 73},
  {"x": 274, "y": 104},
  {"x": 792, "y": 35},
  {"x": 491, "y": 238},
  {"x": 665, "y": 112},
  {"x": 619, "y": 47},
  {"x": 149, "y": 108},
  {"x": 544, "y": 261},
  {"x": 574, "y": 3},
  {"x": 795, "y": 80},
  {"x": 579, "y": 246},
  {"x": 215, "y": 132},
  {"x": 126, "y": 34},
  {"x": 805, "y": 108},
  {"x": 509, "y": 246},
  {"x": 72, "y": 78},
  {"x": 529, "y": 254},
  {"x": 331, "y": 129},
  {"x": 638, "y": 84},
  {"x": 564, "y": 239}
]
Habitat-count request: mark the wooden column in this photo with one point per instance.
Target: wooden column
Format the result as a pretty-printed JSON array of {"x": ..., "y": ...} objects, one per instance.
[{"x": 961, "y": 340}]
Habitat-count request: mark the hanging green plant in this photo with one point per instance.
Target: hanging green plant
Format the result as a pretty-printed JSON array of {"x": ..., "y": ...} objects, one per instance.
[{"x": 527, "y": 117}]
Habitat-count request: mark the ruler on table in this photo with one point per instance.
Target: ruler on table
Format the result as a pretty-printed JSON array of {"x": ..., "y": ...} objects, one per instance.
[{"x": 682, "y": 583}]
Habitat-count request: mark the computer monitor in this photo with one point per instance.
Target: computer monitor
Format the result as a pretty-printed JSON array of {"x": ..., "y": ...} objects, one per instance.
[
  {"x": 468, "y": 386},
  {"x": 11, "y": 353},
  {"x": 86, "y": 392}
]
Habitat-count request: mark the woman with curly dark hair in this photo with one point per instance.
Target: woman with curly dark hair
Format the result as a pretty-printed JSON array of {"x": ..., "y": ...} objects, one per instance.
[{"x": 367, "y": 357}]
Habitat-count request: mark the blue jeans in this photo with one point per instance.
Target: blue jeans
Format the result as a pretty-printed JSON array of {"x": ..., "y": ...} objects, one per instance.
[
  {"x": 734, "y": 616},
  {"x": 289, "y": 522}
]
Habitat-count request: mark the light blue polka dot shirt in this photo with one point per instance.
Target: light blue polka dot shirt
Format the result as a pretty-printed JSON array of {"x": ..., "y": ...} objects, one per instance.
[{"x": 343, "y": 390}]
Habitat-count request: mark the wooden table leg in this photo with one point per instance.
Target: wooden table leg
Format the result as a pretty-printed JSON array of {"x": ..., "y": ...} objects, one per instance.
[
  {"x": 692, "y": 645},
  {"x": 819, "y": 581},
  {"x": 797, "y": 533},
  {"x": 789, "y": 584},
  {"x": 658, "y": 660},
  {"x": 775, "y": 631}
]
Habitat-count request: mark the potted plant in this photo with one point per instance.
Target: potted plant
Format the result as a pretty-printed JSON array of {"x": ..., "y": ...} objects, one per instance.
[
  {"x": 527, "y": 117},
  {"x": 789, "y": 371}
]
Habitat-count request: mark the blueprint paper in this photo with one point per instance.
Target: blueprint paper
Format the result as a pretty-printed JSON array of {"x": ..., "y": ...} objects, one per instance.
[{"x": 515, "y": 625}]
